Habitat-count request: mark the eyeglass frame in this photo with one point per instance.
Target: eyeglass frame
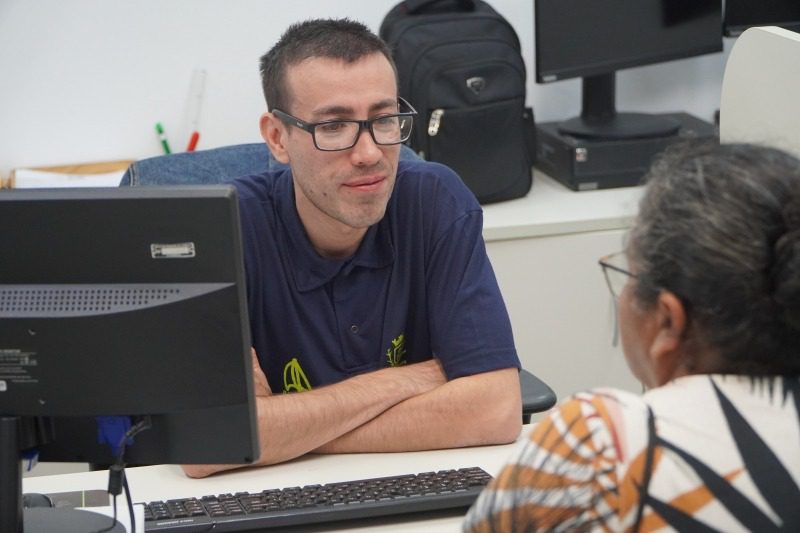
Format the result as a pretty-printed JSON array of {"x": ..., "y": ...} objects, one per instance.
[
  {"x": 310, "y": 127},
  {"x": 605, "y": 264}
]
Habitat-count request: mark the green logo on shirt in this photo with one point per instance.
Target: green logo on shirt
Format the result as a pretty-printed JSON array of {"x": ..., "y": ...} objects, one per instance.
[
  {"x": 396, "y": 355},
  {"x": 294, "y": 379}
]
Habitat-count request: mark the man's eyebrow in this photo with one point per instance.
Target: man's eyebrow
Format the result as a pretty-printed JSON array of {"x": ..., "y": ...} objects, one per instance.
[{"x": 345, "y": 111}]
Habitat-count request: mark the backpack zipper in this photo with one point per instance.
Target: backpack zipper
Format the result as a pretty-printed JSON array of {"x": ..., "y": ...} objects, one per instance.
[{"x": 436, "y": 120}]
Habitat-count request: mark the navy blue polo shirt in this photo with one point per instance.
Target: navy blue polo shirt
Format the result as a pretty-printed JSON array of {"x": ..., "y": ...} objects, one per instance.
[{"x": 419, "y": 285}]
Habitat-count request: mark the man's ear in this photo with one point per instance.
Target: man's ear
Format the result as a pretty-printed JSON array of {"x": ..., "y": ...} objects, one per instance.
[
  {"x": 667, "y": 351},
  {"x": 273, "y": 132}
]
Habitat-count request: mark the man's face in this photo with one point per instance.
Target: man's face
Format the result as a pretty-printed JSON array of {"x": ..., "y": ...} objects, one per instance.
[{"x": 345, "y": 190}]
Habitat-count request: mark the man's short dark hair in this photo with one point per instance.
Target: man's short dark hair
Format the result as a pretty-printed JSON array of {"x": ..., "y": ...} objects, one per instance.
[{"x": 342, "y": 39}]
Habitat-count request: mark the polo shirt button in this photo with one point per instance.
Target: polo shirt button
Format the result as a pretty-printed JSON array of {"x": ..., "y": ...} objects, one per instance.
[{"x": 354, "y": 328}]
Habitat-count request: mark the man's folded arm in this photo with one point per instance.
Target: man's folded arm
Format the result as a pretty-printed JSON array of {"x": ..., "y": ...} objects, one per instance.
[
  {"x": 290, "y": 425},
  {"x": 468, "y": 411}
]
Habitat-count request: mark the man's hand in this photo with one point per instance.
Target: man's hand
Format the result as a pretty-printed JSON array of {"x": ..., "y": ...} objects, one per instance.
[
  {"x": 427, "y": 375},
  {"x": 261, "y": 385},
  {"x": 468, "y": 411}
]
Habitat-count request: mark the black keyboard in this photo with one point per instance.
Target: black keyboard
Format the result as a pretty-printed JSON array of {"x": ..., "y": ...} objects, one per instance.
[{"x": 314, "y": 504}]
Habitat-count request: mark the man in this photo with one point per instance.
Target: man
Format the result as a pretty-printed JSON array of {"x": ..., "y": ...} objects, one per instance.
[{"x": 371, "y": 296}]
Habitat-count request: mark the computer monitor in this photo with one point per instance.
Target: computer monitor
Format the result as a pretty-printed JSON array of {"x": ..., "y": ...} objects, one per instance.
[
  {"x": 742, "y": 14},
  {"x": 593, "y": 39},
  {"x": 123, "y": 302}
]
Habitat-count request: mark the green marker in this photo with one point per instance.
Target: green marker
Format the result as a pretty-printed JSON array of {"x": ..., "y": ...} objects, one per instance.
[{"x": 163, "y": 138}]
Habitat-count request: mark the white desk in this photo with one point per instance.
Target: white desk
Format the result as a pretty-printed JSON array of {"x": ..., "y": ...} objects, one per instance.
[
  {"x": 550, "y": 208},
  {"x": 168, "y": 481}
]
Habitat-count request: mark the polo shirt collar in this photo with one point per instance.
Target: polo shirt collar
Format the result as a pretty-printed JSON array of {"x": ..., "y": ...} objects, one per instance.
[{"x": 311, "y": 270}]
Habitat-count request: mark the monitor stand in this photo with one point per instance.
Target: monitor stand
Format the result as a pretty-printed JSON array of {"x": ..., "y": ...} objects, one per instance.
[
  {"x": 47, "y": 520},
  {"x": 588, "y": 163},
  {"x": 621, "y": 126},
  {"x": 16, "y": 434},
  {"x": 599, "y": 118}
]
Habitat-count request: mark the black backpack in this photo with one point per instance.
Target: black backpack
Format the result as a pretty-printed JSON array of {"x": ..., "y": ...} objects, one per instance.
[{"x": 459, "y": 64}]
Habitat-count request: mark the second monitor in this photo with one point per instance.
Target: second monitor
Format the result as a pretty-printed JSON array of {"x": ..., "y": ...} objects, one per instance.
[{"x": 592, "y": 40}]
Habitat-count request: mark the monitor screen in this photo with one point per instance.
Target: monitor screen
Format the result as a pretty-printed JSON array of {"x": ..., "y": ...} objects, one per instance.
[
  {"x": 743, "y": 14},
  {"x": 126, "y": 302},
  {"x": 592, "y": 39}
]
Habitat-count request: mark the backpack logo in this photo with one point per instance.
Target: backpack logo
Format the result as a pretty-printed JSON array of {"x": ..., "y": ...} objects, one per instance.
[{"x": 476, "y": 84}]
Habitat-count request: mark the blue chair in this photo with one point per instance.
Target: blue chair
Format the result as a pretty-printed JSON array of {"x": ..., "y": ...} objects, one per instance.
[
  {"x": 228, "y": 162},
  {"x": 210, "y": 166}
]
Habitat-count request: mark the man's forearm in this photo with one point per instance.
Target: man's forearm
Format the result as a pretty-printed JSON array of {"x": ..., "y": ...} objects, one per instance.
[
  {"x": 470, "y": 411},
  {"x": 291, "y": 425}
]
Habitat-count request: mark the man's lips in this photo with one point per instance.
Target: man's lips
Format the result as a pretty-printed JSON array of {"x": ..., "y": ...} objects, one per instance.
[{"x": 365, "y": 184}]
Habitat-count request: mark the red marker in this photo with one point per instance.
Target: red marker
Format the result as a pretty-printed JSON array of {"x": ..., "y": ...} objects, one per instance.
[
  {"x": 193, "y": 141},
  {"x": 195, "y": 103}
]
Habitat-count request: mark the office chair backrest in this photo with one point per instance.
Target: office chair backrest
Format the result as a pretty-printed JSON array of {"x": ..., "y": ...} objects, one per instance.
[
  {"x": 760, "y": 100},
  {"x": 201, "y": 167},
  {"x": 210, "y": 166}
]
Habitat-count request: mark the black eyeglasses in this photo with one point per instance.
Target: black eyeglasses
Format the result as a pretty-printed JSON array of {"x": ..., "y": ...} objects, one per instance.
[
  {"x": 335, "y": 135},
  {"x": 616, "y": 271}
]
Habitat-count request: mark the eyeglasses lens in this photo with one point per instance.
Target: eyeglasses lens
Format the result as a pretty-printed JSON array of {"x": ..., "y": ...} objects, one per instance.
[{"x": 342, "y": 134}]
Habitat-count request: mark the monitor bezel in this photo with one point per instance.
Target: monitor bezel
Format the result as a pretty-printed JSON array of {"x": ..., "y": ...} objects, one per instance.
[{"x": 610, "y": 66}]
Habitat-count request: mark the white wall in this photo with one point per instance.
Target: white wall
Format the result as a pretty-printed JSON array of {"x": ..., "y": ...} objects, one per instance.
[
  {"x": 86, "y": 80},
  {"x": 561, "y": 310}
]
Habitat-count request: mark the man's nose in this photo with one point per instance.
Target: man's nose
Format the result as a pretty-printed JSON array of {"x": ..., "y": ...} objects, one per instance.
[{"x": 366, "y": 151}]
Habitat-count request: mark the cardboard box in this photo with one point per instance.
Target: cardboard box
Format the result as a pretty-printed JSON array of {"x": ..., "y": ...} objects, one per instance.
[{"x": 75, "y": 175}]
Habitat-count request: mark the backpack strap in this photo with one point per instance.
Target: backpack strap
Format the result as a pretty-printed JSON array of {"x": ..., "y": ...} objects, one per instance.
[
  {"x": 648, "y": 469},
  {"x": 416, "y": 7}
]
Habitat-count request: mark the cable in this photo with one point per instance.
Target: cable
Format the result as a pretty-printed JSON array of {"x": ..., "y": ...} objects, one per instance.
[
  {"x": 130, "y": 503},
  {"x": 116, "y": 474}
]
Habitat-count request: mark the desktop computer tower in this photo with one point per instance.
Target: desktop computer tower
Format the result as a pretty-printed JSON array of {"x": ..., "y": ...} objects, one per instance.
[{"x": 587, "y": 164}]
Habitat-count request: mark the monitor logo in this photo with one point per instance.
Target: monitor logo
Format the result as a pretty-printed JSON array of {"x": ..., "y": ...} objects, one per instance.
[{"x": 476, "y": 84}]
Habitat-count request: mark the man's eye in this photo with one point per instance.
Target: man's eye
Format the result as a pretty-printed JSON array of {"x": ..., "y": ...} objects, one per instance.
[
  {"x": 331, "y": 127},
  {"x": 389, "y": 120}
]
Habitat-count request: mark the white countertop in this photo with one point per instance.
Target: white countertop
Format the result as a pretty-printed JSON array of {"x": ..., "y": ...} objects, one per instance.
[{"x": 551, "y": 208}]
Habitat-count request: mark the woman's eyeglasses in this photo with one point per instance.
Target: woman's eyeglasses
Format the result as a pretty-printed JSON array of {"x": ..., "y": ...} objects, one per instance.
[{"x": 616, "y": 271}]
